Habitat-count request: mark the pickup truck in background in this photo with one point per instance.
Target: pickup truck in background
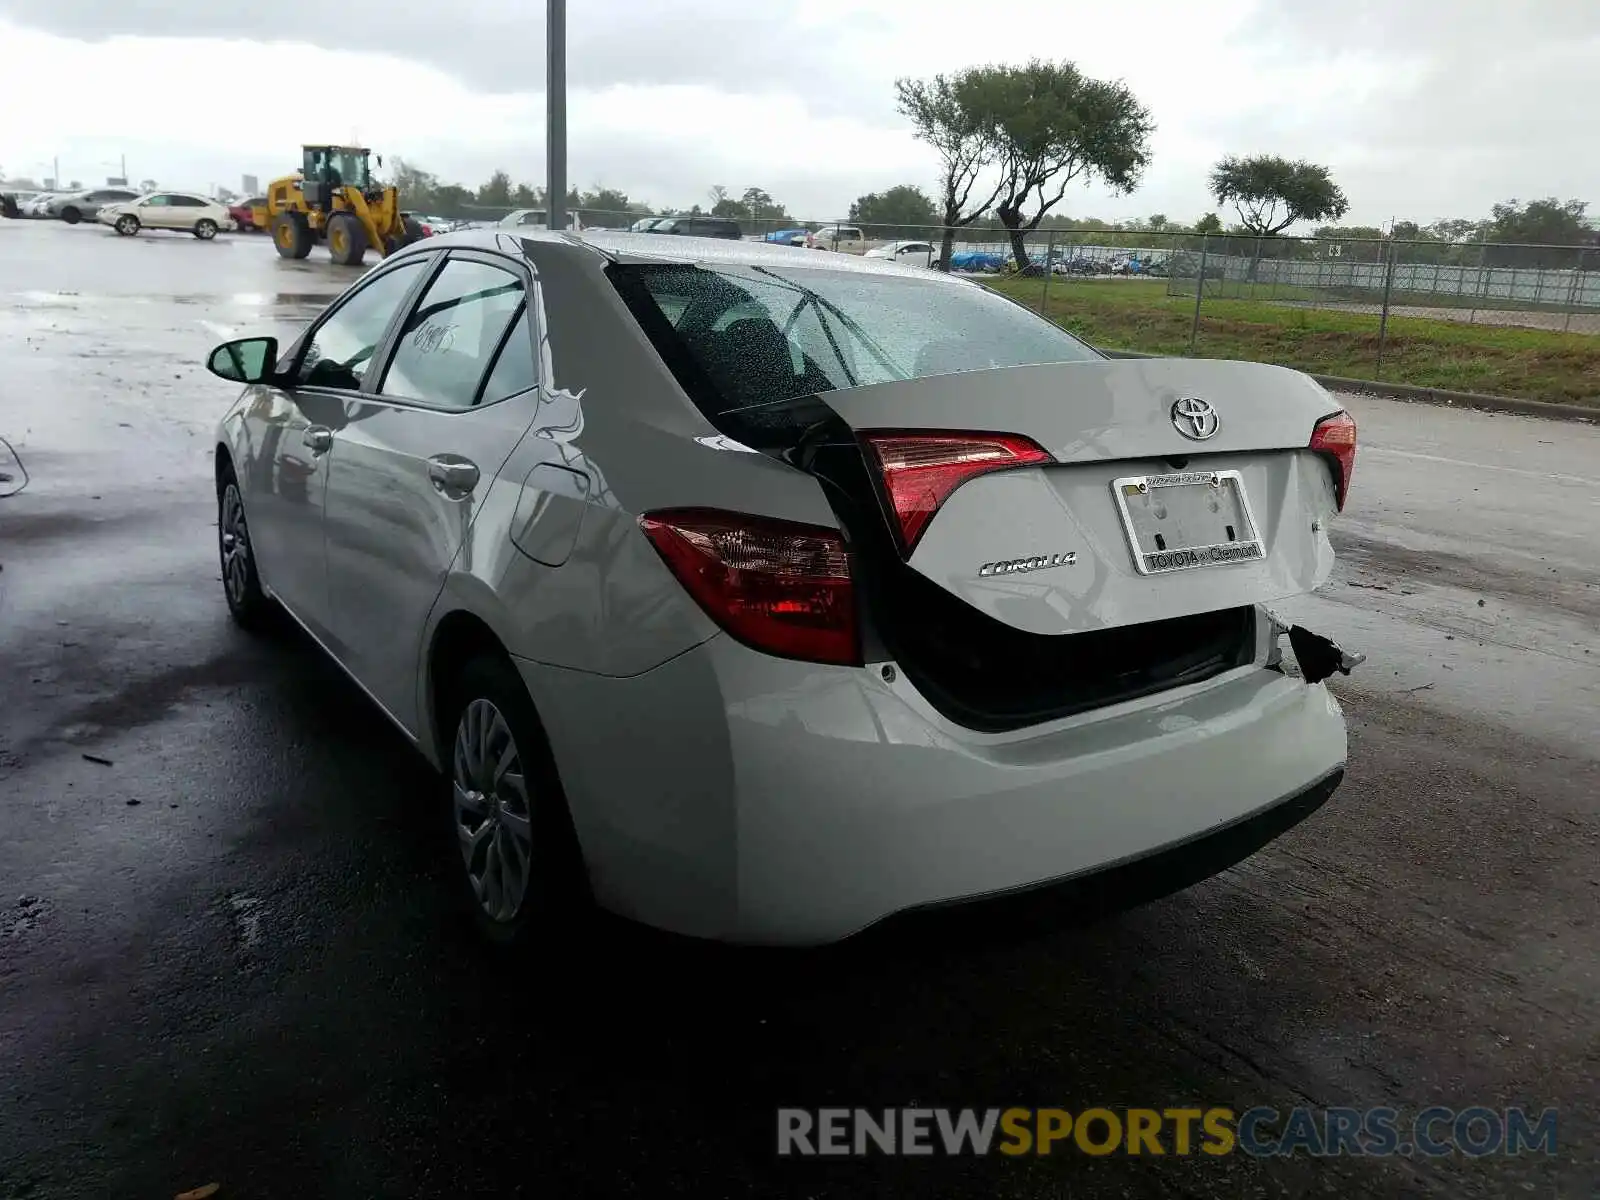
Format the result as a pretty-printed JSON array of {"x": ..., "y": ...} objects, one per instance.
[{"x": 846, "y": 239}]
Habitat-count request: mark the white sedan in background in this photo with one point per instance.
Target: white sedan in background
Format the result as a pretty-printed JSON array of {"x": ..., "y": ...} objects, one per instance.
[
  {"x": 180, "y": 212},
  {"x": 912, "y": 254}
]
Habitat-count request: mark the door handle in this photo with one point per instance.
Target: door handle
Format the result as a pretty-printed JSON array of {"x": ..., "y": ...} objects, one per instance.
[
  {"x": 453, "y": 475},
  {"x": 319, "y": 438}
]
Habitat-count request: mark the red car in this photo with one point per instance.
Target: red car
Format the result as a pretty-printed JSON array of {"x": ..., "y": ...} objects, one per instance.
[{"x": 245, "y": 212}]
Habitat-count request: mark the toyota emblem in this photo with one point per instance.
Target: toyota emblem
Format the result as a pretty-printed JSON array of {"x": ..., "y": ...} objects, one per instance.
[{"x": 1194, "y": 418}]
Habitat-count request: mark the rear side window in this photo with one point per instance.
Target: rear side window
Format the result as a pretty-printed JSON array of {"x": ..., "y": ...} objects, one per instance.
[
  {"x": 758, "y": 335},
  {"x": 451, "y": 337},
  {"x": 513, "y": 372}
]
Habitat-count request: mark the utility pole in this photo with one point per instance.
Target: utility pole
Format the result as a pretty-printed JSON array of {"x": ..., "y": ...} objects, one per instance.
[{"x": 555, "y": 106}]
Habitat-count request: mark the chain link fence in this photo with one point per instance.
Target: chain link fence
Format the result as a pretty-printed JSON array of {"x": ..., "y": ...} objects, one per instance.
[{"x": 1368, "y": 309}]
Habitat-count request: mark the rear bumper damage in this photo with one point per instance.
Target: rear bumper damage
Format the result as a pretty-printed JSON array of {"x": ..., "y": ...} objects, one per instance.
[{"x": 779, "y": 802}]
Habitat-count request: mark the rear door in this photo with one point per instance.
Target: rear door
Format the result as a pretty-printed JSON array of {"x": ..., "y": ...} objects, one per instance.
[
  {"x": 186, "y": 210},
  {"x": 414, "y": 458}
]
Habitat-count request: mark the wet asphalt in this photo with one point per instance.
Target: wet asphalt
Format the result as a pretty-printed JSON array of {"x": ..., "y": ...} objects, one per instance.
[{"x": 226, "y": 952}]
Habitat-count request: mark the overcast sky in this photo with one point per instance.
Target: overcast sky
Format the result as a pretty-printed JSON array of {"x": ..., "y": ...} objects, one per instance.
[{"x": 1422, "y": 108}]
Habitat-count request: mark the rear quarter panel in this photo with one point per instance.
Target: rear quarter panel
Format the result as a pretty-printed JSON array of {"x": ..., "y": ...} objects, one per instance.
[{"x": 555, "y": 560}]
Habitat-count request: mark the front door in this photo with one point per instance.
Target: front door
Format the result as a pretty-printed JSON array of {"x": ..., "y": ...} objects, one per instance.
[
  {"x": 295, "y": 430},
  {"x": 414, "y": 458},
  {"x": 156, "y": 212}
]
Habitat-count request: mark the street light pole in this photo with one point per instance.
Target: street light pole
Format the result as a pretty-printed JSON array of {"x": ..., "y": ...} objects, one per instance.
[{"x": 555, "y": 104}]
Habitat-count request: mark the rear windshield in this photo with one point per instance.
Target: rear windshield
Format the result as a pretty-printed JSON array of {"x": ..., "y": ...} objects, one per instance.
[{"x": 760, "y": 335}]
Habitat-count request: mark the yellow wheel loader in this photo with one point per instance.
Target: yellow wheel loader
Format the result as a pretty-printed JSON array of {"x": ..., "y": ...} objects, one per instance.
[{"x": 333, "y": 199}]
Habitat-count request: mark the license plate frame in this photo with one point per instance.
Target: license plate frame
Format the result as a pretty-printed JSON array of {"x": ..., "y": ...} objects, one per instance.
[{"x": 1245, "y": 549}]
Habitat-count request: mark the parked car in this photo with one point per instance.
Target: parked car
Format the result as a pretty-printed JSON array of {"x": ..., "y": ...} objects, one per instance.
[
  {"x": 914, "y": 254},
  {"x": 985, "y": 261},
  {"x": 644, "y": 224},
  {"x": 74, "y": 207},
  {"x": 179, "y": 212},
  {"x": 37, "y": 205},
  {"x": 433, "y": 226},
  {"x": 788, "y": 237},
  {"x": 11, "y": 202},
  {"x": 700, "y": 226},
  {"x": 740, "y": 631},
  {"x": 537, "y": 218},
  {"x": 249, "y": 215}
]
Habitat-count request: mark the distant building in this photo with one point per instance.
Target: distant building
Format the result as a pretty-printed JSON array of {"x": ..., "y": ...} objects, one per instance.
[{"x": 250, "y": 185}]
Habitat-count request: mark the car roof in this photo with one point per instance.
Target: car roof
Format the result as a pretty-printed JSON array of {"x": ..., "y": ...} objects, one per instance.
[{"x": 622, "y": 246}]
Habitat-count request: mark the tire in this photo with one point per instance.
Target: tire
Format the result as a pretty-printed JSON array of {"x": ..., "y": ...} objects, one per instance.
[
  {"x": 347, "y": 239},
  {"x": 71, "y": 215},
  {"x": 248, "y": 604},
  {"x": 502, "y": 835},
  {"x": 127, "y": 225},
  {"x": 291, "y": 235},
  {"x": 205, "y": 229}
]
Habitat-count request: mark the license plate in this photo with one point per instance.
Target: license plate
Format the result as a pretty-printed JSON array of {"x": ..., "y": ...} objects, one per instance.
[{"x": 1187, "y": 520}]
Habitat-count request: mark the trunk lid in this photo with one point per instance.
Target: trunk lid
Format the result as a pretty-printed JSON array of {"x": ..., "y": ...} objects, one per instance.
[{"x": 1135, "y": 521}]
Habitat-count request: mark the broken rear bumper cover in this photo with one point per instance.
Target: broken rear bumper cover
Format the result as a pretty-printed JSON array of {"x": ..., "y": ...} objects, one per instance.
[{"x": 778, "y": 802}]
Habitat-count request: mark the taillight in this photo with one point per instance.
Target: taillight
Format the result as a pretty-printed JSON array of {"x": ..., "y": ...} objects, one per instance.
[
  {"x": 781, "y": 587},
  {"x": 1335, "y": 436},
  {"x": 920, "y": 470}
]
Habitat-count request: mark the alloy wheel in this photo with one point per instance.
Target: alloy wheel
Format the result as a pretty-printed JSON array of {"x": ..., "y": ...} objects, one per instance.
[
  {"x": 492, "y": 810},
  {"x": 235, "y": 538}
]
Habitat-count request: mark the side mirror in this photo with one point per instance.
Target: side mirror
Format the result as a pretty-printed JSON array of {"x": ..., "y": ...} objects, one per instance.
[{"x": 248, "y": 360}]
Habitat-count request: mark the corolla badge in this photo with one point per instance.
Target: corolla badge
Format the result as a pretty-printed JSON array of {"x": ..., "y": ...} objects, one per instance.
[
  {"x": 1017, "y": 566},
  {"x": 1195, "y": 418}
]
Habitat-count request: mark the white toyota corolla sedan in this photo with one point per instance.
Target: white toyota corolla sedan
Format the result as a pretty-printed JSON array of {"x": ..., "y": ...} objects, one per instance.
[{"x": 762, "y": 597}]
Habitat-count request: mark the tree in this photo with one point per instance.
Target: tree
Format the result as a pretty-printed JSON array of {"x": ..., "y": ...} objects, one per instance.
[
  {"x": 524, "y": 196},
  {"x": 934, "y": 108},
  {"x": 1456, "y": 229},
  {"x": 718, "y": 194},
  {"x": 1210, "y": 223},
  {"x": 902, "y": 211},
  {"x": 729, "y": 207},
  {"x": 1050, "y": 124},
  {"x": 497, "y": 192},
  {"x": 1535, "y": 230},
  {"x": 1157, "y": 222},
  {"x": 1271, "y": 193},
  {"x": 416, "y": 186},
  {"x": 759, "y": 205},
  {"x": 606, "y": 208}
]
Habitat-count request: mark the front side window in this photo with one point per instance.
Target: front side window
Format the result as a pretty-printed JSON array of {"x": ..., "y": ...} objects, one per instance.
[
  {"x": 351, "y": 168},
  {"x": 451, "y": 337},
  {"x": 341, "y": 349},
  {"x": 157, "y": 202},
  {"x": 760, "y": 335}
]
